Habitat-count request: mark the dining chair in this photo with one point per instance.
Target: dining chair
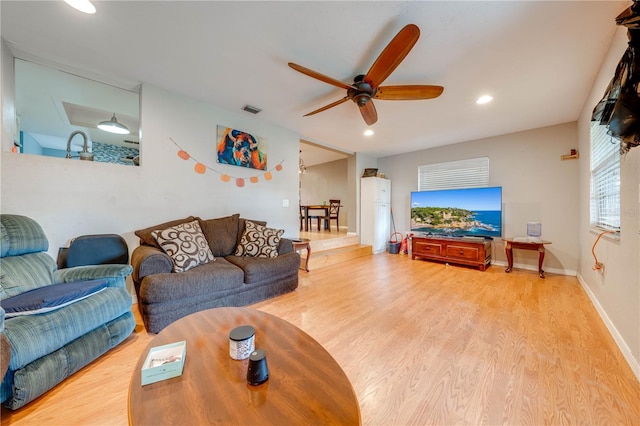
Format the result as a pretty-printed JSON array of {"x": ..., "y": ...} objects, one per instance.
[
  {"x": 318, "y": 218},
  {"x": 334, "y": 211},
  {"x": 307, "y": 220}
]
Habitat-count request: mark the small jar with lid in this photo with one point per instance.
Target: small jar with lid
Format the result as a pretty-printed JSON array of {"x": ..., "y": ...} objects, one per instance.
[{"x": 241, "y": 342}]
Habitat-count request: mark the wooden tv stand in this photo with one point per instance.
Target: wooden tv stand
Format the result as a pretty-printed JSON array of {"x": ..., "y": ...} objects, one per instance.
[{"x": 463, "y": 251}]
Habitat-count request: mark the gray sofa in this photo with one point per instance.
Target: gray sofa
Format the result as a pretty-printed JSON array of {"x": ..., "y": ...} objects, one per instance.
[
  {"x": 53, "y": 321},
  {"x": 229, "y": 280}
]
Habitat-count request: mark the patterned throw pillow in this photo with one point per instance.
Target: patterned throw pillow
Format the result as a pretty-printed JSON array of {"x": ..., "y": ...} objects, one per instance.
[
  {"x": 185, "y": 244},
  {"x": 146, "y": 234},
  {"x": 259, "y": 241}
]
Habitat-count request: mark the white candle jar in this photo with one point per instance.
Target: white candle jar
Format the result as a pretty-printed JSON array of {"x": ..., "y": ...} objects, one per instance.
[{"x": 241, "y": 342}]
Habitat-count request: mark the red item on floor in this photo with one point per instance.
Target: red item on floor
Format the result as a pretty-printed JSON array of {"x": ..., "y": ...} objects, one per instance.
[{"x": 404, "y": 249}]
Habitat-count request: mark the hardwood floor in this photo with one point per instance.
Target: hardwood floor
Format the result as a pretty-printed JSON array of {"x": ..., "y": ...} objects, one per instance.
[{"x": 422, "y": 343}]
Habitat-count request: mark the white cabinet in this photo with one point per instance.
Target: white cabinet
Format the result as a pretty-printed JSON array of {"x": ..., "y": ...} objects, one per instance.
[{"x": 375, "y": 212}]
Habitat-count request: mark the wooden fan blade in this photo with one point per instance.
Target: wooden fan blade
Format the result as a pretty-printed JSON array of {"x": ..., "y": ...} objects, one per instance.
[
  {"x": 321, "y": 77},
  {"x": 408, "y": 92},
  {"x": 392, "y": 55},
  {"x": 369, "y": 113},
  {"x": 346, "y": 98}
]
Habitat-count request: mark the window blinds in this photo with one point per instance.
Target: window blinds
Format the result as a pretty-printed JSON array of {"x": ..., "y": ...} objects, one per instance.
[
  {"x": 469, "y": 173},
  {"x": 605, "y": 179}
]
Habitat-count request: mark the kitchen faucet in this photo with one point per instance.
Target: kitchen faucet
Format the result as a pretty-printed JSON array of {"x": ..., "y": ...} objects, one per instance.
[{"x": 85, "y": 154}]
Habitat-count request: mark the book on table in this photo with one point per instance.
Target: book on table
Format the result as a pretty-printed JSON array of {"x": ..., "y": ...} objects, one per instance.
[{"x": 164, "y": 362}]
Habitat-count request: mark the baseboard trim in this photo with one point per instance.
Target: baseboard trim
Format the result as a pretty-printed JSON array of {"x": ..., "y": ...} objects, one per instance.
[
  {"x": 617, "y": 337},
  {"x": 568, "y": 272}
]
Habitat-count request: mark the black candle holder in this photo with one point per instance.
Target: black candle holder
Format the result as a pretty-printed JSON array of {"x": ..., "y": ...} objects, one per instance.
[{"x": 258, "y": 371}]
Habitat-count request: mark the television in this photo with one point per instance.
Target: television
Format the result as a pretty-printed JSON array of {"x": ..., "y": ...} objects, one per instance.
[{"x": 465, "y": 212}]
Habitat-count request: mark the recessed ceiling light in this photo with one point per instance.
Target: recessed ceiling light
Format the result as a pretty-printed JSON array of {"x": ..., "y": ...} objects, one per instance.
[
  {"x": 82, "y": 5},
  {"x": 368, "y": 132},
  {"x": 485, "y": 99}
]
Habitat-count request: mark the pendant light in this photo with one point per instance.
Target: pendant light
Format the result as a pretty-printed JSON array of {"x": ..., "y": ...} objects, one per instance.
[
  {"x": 112, "y": 126},
  {"x": 301, "y": 166},
  {"x": 82, "y": 5}
]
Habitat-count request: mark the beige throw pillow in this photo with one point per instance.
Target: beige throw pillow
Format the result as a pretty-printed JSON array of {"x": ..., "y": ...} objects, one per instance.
[
  {"x": 259, "y": 241},
  {"x": 185, "y": 244}
]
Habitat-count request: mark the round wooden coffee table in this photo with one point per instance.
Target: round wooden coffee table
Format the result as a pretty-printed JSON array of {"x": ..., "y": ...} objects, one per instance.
[{"x": 306, "y": 385}]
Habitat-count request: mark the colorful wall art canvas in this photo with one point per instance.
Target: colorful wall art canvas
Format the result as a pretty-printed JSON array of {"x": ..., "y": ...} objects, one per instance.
[{"x": 240, "y": 148}]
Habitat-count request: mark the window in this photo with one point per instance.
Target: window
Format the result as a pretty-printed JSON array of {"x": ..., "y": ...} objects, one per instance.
[
  {"x": 605, "y": 179},
  {"x": 470, "y": 173}
]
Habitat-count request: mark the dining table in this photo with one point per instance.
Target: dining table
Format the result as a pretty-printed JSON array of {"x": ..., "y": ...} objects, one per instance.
[{"x": 311, "y": 207}]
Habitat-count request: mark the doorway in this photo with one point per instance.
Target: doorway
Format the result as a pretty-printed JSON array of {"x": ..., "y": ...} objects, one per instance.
[{"x": 324, "y": 176}]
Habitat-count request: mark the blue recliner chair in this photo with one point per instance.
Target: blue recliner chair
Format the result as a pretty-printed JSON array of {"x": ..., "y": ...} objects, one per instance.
[{"x": 55, "y": 320}]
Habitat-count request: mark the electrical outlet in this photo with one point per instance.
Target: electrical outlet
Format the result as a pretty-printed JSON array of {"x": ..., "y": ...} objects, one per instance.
[{"x": 285, "y": 203}]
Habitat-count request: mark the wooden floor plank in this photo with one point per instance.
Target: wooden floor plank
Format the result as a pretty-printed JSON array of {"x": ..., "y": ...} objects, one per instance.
[{"x": 422, "y": 343}]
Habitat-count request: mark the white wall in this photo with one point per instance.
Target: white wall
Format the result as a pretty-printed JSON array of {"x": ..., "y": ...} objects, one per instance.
[
  {"x": 353, "y": 199},
  {"x": 170, "y": 182},
  {"x": 536, "y": 187},
  {"x": 616, "y": 290},
  {"x": 7, "y": 92},
  {"x": 71, "y": 198}
]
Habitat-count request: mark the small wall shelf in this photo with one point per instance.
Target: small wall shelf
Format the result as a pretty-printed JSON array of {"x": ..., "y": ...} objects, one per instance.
[{"x": 570, "y": 156}]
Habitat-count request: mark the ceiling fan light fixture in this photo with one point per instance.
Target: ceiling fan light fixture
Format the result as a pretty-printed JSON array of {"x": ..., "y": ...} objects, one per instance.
[
  {"x": 112, "y": 126},
  {"x": 367, "y": 87},
  {"x": 361, "y": 98},
  {"x": 82, "y": 5},
  {"x": 484, "y": 99}
]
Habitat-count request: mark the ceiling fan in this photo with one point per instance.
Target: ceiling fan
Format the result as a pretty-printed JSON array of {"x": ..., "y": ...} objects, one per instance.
[{"x": 367, "y": 87}]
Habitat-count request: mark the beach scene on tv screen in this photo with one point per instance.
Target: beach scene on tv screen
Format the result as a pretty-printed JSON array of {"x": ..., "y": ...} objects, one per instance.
[{"x": 458, "y": 212}]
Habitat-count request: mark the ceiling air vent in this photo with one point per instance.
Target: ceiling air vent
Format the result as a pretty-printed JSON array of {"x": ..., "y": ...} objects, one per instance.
[{"x": 251, "y": 109}]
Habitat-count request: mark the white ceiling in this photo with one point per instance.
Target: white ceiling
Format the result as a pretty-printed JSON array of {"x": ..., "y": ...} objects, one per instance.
[
  {"x": 538, "y": 59},
  {"x": 313, "y": 154}
]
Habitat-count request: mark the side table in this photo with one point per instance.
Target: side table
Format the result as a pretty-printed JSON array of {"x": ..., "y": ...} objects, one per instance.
[
  {"x": 524, "y": 244},
  {"x": 303, "y": 243}
]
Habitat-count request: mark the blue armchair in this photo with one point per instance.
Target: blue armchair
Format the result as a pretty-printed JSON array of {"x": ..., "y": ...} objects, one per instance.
[{"x": 53, "y": 337}]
